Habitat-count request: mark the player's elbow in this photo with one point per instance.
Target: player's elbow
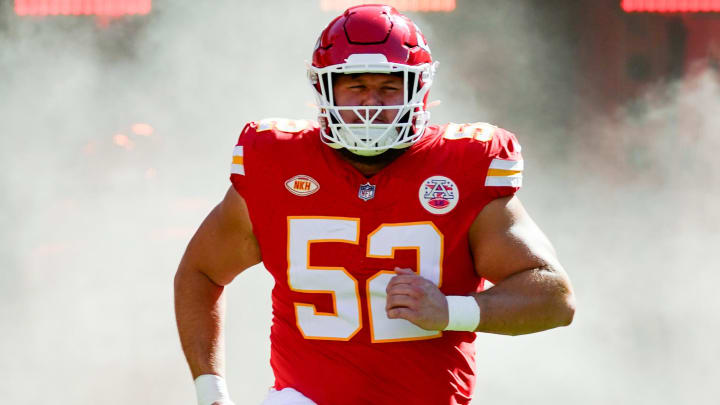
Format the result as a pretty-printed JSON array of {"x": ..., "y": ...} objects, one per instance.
[
  {"x": 563, "y": 299},
  {"x": 566, "y": 310}
]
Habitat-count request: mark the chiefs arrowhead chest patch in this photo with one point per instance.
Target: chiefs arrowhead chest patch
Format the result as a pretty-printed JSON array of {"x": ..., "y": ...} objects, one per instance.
[{"x": 438, "y": 195}]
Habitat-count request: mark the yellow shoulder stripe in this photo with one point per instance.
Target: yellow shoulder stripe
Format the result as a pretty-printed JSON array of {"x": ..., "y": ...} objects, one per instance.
[{"x": 501, "y": 172}]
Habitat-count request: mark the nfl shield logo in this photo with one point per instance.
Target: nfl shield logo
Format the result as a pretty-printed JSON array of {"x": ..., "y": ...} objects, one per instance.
[{"x": 366, "y": 191}]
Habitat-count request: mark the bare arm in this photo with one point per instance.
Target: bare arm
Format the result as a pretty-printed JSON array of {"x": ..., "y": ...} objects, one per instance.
[
  {"x": 532, "y": 291},
  {"x": 223, "y": 246}
]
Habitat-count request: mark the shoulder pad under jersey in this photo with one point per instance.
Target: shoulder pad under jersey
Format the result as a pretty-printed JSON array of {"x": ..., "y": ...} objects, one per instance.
[
  {"x": 257, "y": 142},
  {"x": 495, "y": 153}
]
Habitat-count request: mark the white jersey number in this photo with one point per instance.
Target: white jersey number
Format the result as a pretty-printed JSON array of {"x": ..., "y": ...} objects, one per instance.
[{"x": 346, "y": 319}]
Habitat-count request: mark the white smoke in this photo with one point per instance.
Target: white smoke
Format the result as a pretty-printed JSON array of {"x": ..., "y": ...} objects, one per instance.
[
  {"x": 96, "y": 214},
  {"x": 628, "y": 197}
]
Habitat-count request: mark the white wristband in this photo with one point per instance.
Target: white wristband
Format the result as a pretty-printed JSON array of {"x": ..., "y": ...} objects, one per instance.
[
  {"x": 211, "y": 388},
  {"x": 463, "y": 313}
]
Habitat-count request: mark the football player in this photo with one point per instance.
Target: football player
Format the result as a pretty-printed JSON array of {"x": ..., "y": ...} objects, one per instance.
[{"x": 379, "y": 230}]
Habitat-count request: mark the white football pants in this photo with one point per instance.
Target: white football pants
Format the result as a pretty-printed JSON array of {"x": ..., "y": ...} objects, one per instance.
[{"x": 286, "y": 396}]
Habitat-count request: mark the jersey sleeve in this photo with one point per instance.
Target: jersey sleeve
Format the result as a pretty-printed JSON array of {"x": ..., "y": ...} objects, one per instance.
[
  {"x": 504, "y": 170},
  {"x": 260, "y": 144},
  {"x": 498, "y": 167},
  {"x": 243, "y": 156}
]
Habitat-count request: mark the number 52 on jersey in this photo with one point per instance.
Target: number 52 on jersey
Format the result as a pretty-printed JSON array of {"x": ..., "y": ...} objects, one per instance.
[{"x": 346, "y": 319}]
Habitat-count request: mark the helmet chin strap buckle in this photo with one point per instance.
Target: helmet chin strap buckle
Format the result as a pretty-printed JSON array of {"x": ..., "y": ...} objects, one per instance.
[{"x": 365, "y": 152}]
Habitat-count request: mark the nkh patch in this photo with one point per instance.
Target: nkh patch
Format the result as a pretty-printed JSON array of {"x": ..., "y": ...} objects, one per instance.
[
  {"x": 438, "y": 195},
  {"x": 302, "y": 185},
  {"x": 366, "y": 191}
]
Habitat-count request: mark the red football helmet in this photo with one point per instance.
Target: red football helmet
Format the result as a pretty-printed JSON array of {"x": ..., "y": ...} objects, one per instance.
[{"x": 372, "y": 39}]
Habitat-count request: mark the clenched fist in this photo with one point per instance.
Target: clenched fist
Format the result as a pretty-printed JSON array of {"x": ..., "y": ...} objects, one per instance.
[{"x": 417, "y": 300}]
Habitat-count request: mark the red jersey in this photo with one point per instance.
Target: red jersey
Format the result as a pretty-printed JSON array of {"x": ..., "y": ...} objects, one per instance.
[{"x": 331, "y": 237}]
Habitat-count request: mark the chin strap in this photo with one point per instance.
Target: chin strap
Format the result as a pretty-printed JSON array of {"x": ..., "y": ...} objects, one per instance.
[{"x": 387, "y": 137}]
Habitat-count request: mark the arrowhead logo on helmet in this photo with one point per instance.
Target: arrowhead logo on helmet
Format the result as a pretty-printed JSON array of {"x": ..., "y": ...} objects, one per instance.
[{"x": 372, "y": 39}]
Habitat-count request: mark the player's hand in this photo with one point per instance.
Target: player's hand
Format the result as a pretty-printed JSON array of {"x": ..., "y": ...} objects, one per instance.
[
  {"x": 223, "y": 403},
  {"x": 417, "y": 300}
]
